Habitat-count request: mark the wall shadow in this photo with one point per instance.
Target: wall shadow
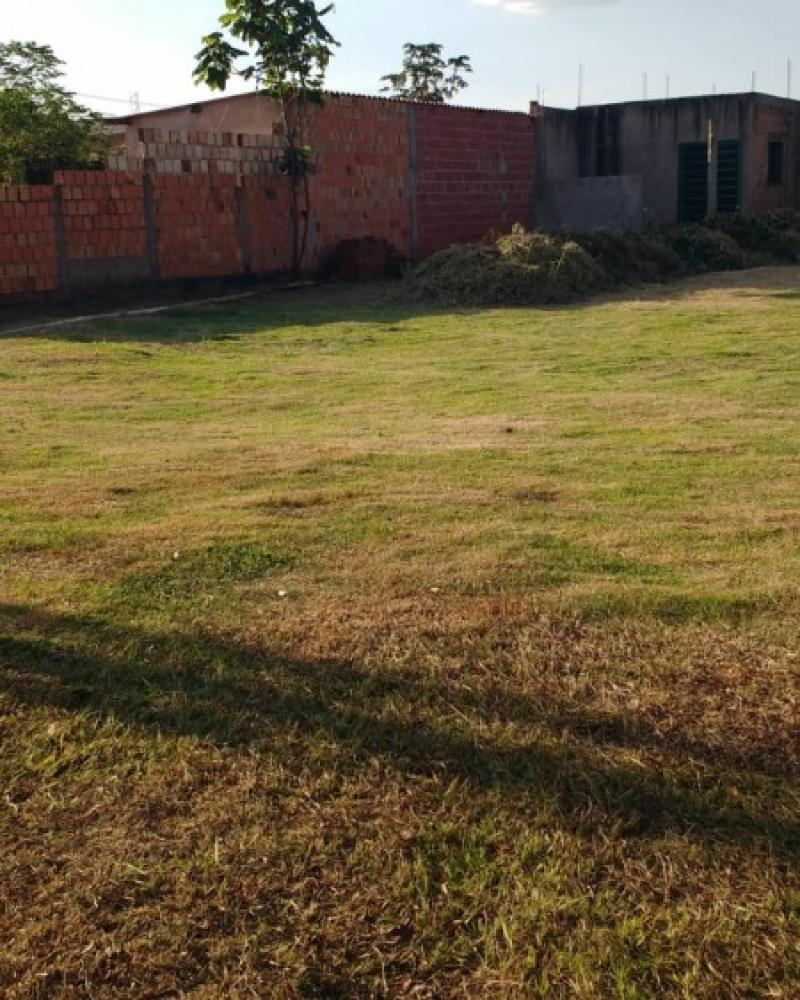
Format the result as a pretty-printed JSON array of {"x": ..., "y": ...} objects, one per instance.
[
  {"x": 273, "y": 307},
  {"x": 188, "y": 315},
  {"x": 235, "y": 695}
]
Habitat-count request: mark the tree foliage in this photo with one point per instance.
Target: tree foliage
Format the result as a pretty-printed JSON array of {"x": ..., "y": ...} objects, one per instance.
[
  {"x": 427, "y": 76},
  {"x": 42, "y": 126},
  {"x": 286, "y": 49}
]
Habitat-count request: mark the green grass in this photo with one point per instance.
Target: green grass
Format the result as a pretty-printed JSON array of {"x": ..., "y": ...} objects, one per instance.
[{"x": 353, "y": 650}]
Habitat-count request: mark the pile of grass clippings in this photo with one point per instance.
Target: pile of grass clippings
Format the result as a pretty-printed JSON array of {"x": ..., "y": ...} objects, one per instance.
[
  {"x": 562, "y": 266},
  {"x": 784, "y": 220},
  {"x": 765, "y": 240},
  {"x": 631, "y": 258},
  {"x": 536, "y": 268},
  {"x": 521, "y": 268},
  {"x": 702, "y": 250}
]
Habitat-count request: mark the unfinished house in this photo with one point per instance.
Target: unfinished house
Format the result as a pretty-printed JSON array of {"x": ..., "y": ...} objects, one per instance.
[{"x": 623, "y": 165}]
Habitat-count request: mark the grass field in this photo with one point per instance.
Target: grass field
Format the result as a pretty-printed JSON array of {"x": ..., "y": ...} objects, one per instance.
[{"x": 352, "y": 650}]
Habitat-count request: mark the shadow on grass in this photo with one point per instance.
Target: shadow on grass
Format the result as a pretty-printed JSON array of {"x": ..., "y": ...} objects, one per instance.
[
  {"x": 569, "y": 758},
  {"x": 262, "y": 311},
  {"x": 677, "y": 608},
  {"x": 382, "y": 304}
]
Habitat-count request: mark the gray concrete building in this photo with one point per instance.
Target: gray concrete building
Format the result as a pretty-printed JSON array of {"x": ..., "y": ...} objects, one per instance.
[{"x": 624, "y": 165}]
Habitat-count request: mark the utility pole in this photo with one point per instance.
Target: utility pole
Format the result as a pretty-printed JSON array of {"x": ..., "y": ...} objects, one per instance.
[
  {"x": 580, "y": 85},
  {"x": 644, "y": 86},
  {"x": 667, "y": 87},
  {"x": 789, "y": 68}
]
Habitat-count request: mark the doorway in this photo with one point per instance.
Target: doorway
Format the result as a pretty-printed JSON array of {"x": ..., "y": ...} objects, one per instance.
[{"x": 693, "y": 179}]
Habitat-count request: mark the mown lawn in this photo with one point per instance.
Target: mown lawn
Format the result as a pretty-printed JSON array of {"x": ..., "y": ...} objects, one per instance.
[{"x": 349, "y": 649}]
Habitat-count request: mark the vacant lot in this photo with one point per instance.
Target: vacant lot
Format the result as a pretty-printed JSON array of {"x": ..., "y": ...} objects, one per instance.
[{"x": 348, "y": 650}]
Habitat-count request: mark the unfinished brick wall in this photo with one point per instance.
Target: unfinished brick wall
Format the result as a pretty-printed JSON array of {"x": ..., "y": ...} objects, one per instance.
[
  {"x": 362, "y": 184},
  {"x": 360, "y": 187},
  {"x": 103, "y": 214},
  {"x": 266, "y": 233},
  {"x": 207, "y": 204},
  {"x": 28, "y": 259},
  {"x": 196, "y": 223},
  {"x": 475, "y": 174},
  {"x": 187, "y": 151}
]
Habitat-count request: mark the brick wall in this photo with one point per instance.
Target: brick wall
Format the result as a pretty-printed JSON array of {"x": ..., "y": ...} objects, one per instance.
[
  {"x": 103, "y": 214},
  {"x": 183, "y": 202},
  {"x": 28, "y": 260},
  {"x": 362, "y": 184},
  {"x": 475, "y": 174},
  {"x": 195, "y": 204},
  {"x": 773, "y": 122},
  {"x": 360, "y": 188},
  {"x": 196, "y": 223},
  {"x": 188, "y": 151},
  {"x": 266, "y": 234}
]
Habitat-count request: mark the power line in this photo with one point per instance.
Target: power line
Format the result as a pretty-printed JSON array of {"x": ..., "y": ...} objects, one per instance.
[{"x": 120, "y": 100}]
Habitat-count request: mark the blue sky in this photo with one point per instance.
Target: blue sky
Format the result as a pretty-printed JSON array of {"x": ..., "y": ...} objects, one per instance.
[{"x": 517, "y": 46}]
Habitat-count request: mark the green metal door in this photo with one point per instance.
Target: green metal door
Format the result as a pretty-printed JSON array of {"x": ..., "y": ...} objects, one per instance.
[
  {"x": 693, "y": 179},
  {"x": 729, "y": 177},
  {"x": 692, "y": 182}
]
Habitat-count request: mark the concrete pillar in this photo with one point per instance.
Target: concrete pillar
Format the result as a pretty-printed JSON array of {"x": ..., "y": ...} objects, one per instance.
[
  {"x": 713, "y": 170},
  {"x": 243, "y": 234},
  {"x": 151, "y": 227},
  {"x": 61, "y": 239}
]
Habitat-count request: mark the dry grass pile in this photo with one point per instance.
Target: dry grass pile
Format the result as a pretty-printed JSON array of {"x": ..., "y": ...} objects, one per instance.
[
  {"x": 535, "y": 268},
  {"x": 632, "y": 258},
  {"x": 521, "y": 268},
  {"x": 771, "y": 239},
  {"x": 701, "y": 249}
]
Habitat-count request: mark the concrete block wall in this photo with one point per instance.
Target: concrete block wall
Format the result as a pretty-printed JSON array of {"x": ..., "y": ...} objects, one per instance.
[
  {"x": 643, "y": 138},
  {"x": 576, "y": 203}
]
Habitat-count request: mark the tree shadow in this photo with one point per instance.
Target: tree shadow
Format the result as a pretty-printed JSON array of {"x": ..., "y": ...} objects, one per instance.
[{"x": 236, "y": 695}]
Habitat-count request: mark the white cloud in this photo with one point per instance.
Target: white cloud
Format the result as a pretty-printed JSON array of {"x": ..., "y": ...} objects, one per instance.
[{"x": 538, "y": 6}]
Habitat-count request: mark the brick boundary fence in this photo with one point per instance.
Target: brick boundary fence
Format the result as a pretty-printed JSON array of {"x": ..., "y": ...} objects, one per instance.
[{"x": 420, "y": 177}]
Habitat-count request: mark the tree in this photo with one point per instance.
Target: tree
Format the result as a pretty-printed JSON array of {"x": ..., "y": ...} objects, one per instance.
[
  {"x": 42, "y": 127},
  {"x": 289, "y": 50},
  {"x": 426, "y": 76}
]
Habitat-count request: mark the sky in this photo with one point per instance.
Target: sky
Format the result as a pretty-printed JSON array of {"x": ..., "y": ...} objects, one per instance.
[{"x": 520, "y": 49}]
